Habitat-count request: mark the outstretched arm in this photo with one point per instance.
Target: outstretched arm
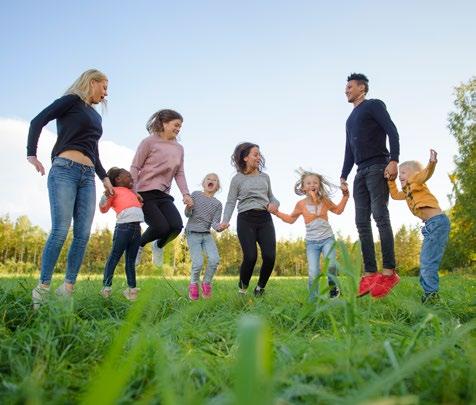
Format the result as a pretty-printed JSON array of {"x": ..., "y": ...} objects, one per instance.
[
  {"x": 394, "y": 193},
  {"x": 339, "y": 208},
  {"x": 290, "y": 218},
  {"x": 428, "y": 171}
]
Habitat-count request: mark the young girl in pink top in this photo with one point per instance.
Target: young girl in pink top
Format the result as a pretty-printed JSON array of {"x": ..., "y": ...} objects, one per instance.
[
  {"x": 159, "y": 160},
  {"x": 126, "y": 238},
  {"x": 319, "y": 234}
]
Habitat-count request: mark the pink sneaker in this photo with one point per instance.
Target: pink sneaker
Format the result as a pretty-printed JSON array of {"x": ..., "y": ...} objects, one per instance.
[
  {"x": 206, "y": 290},
  {"x": 193, "y": 292}
]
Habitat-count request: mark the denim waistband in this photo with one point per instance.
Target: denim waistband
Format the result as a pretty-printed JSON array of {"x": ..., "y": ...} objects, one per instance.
[
  {"x": 72, "y": 163},
  {"x": 435, "y": 218}
]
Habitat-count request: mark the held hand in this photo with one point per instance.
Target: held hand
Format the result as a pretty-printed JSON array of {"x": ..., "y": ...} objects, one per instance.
[
  {"x": 272, "y": 208},
  {"x": 187, "y": 200},
  {"x": 391, "y": 171},
  {"x": 345, "y": 191},
  {"x": 344, "y": 186},
  {"x": 108, "y": 189},
  {"x": 433, "y": 155},
  {"x": 35, "y": 162},
  {"x": 223, "y": 226}
]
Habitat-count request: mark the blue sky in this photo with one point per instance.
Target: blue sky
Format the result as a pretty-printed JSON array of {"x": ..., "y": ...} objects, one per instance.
[{"x": 270, "y": 72}]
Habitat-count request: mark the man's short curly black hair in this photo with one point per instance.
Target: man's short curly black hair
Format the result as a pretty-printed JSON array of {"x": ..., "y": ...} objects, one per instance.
[{"x": 360, "y": 78}]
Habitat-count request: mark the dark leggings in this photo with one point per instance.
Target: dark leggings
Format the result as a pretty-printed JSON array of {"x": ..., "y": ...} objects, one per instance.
[
  {"x": 256, "y": 226},
  {"x": 163, "y": 218}
]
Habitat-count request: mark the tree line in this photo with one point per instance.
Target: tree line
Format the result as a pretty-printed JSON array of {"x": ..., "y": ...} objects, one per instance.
[{"x": 21, "y": 245}]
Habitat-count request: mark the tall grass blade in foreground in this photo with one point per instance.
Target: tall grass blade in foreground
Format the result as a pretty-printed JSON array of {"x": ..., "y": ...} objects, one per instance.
[
  {"x": 112, "y": 376},
  {"x": 253, "y": 369}
]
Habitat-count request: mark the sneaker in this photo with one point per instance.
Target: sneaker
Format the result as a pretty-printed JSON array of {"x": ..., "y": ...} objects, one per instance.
[
  {"x": 157, "y": 254},
  {"x": 334, "y": 292},
  {"x": 38, "y": 295},
  {"x": 206, "y": 290},
  {"x": 367, "y": 283},
  {"x": 193, "y": 293},
  {"x": 258, "y": 291},
  {"x": 139, "y": 255},
  {"x": 241, "y": 288},
  {"x": 106, "y": 292},
  {"x": 64, "y": 292},
  {"x": 131, "y": 293},
  {"x": 384, "y": 285},
  {"x": 430, "y": 298}
]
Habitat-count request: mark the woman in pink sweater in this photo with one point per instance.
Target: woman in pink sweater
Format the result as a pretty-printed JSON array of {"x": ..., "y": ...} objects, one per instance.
[{"x": 159, "y": 160}]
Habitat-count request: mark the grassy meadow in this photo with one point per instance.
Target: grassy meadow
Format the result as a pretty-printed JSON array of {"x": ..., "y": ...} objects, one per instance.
[{"x": 231, "y": 349}]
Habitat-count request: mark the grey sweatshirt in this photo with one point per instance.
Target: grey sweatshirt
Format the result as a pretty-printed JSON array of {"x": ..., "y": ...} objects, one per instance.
[{"x": 252, "y": 191}]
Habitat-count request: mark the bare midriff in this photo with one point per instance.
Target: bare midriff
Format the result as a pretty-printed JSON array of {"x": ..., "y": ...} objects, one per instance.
[
  {"x": 428, "y": 212},
  {"x": 76, "y": 156}
]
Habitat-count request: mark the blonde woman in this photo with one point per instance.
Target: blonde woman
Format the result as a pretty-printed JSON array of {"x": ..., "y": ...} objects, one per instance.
[{"x": 71, "y": 188}]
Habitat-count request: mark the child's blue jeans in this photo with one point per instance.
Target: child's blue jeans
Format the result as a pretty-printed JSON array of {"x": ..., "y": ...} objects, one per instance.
[
  {"x": 314, "y": 248},
  {"x": 126, "y": 239},
  {"x": 199, "y": 243},
  {"x": 435, "y": 237}
]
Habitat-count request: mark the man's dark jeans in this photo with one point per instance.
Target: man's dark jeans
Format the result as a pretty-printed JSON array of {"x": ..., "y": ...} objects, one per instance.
[{"x": 371, "y": 197}]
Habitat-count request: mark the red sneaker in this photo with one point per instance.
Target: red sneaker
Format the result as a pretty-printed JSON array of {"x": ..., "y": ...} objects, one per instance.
[
  {"x": 367, "y": 283},
  {"x": 384, "y": 285}
]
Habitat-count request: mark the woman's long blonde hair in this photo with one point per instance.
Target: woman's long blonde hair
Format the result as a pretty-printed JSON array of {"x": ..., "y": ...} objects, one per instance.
[{"x": 82, "y": 86}]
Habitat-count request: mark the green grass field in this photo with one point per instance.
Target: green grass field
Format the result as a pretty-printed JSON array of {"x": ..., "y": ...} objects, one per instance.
[{"x": 278, "y": 349}]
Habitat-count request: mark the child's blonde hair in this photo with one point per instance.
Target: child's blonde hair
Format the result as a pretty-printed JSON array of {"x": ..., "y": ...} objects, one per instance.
[
  {"x": 413, "y": 165},
  {"x": 212, "y": 174},
  {"x": 325, "y": 186}
]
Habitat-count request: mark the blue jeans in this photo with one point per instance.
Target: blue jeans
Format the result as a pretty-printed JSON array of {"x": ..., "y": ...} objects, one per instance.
[
  {"x": 126, "y": 239},
  {"x": 72, "y": 194},
  {"x": 435, "y": 237},
  {"x": 199, "y": 242},
  {"x": 313, "y": 252},
  {"x": 371, "y": 197}
]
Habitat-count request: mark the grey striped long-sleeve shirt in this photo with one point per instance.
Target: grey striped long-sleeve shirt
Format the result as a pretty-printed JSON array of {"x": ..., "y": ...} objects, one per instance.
[{"x": 205, "y": 213}]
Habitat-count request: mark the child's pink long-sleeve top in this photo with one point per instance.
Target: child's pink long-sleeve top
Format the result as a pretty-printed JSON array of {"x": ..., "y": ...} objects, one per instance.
[{"x": 123, "y": 198}]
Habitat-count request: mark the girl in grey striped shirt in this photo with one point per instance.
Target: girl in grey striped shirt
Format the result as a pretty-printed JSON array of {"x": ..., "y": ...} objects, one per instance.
[{"x": 205, "y": 213}]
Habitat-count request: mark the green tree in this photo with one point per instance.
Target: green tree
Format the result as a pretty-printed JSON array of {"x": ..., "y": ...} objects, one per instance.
[
  {"x": 407, "y": 250},
  {"x": 462, "y": 125}
]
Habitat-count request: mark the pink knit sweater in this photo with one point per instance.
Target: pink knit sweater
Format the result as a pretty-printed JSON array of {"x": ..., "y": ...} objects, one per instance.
[{"x": 157, "y": 161}]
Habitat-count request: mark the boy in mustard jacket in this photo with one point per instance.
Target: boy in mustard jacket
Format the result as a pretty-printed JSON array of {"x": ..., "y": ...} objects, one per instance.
[{"x": 424, "y": 205}]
